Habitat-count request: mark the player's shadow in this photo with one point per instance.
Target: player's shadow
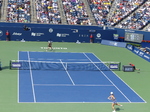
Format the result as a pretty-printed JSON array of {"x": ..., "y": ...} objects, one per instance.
[{"x": 118, "y": 109}]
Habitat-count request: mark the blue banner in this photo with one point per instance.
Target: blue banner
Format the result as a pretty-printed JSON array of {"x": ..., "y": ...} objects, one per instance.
[
  {"x": 113, "y": 43},
  {"x": 138, "y": 52},
  {"x": 56, "y": 33}
]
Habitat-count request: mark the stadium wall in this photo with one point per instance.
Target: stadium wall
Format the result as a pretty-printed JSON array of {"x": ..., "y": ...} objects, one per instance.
[
  {"x": 65, "y": 33},
  {"x": 121, "y": 33},
  {"x": 56, "y": 33}
]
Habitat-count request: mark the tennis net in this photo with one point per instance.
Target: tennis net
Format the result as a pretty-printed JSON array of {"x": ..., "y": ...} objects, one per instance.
[{"x": 69, "y": 66}]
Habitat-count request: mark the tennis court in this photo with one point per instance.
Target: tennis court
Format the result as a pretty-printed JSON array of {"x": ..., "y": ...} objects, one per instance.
[{"x": 46, "y": 86}]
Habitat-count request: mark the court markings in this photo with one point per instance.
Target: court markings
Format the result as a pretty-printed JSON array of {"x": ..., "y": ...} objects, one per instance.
[
  {"x": 63, "y": 85},
  {"x": 61, "y": 48},
  {"x": 70, "y": 85},
  {"x": 126, "y": 85}
]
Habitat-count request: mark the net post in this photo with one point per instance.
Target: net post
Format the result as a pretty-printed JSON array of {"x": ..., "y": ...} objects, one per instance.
[
  {"x": 10, "y": 64},
  {"x": 119, "y": 66}
]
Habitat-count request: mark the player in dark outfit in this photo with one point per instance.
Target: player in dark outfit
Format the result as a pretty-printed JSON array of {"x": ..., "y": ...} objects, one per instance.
[
  {"x": 133, "y": 66},
  {"x": 49, "y": 45}
]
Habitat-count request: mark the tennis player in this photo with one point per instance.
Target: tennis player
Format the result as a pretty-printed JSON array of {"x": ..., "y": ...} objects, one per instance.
[
  {"x": 133, "y": 66},
  {"x": 114, "y": 102},
  {"x": 49, "y": 45}
]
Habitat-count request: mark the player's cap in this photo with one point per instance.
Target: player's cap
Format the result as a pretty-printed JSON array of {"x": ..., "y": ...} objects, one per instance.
[{"x": 111, "y": 93}]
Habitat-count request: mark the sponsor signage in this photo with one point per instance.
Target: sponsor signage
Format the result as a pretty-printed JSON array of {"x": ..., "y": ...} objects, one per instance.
[
  {"x": 74, "y": 30},
  {"x": 37, "y": 34},
  {"x": 62, "y": 35},
  {"x": 114, "y": 66},
  {"x": 17, "y": 34},
  {"x": 129, "y": 47},
  {"x": 113, "y": 43},
  {"x": 83, "y": 35},
  {"x": 50, "y": 30},
  {"x": 138, "y": 52},
  {"x": 15, "y": 64},
  {"x": 1, "y": 33},
  {"x": 127, "y": 68},
  {"x": 129, "y": 31},
  {"x": 98, "y": 36}
]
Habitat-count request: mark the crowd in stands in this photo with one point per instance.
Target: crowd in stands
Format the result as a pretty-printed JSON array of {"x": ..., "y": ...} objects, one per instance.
[
  {"x": 0, "y": 3},
  {"x": 146, "y": 49},
  {"x": 48, "y": 12},
  {"x": 139, "y": 19},
  {"x": 148, "y": 29},
  {"x": 76, "y": 12},
  {"x": 123, "y": 9},
  {"x": 18, "y": 11},
  {"x": 100, "y": 10}
]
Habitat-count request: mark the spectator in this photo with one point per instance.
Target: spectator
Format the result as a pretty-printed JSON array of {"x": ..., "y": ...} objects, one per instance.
[
  {"x": 7, "y": 36},
  {"x": 91, "y": 38},
  {"x": 26, "y": 28}
]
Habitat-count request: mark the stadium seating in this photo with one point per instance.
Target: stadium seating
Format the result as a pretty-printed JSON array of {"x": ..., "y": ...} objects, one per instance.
[
  {"x": 75, "y": 12},
  {"x": 100, "y": 10},
  {"x": 48, "y": 12},
  {"x": 138, "y": 19},
  {"x": 18, "y": 11},
  {"x": 0, "y": 3},
  {"x": 128, "y": 14},
  {"x": 123, "y": 9}
]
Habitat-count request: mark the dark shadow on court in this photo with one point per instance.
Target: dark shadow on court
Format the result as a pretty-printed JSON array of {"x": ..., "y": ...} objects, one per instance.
[
  {"x": 5, "y": 67},
  {"x": 119, "y": 109}
]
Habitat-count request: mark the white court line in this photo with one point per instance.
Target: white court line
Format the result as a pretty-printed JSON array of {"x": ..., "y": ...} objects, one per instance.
[
  {"x": 18, "y": 82},
  {"x": 73, "y": 102},
  {"x": 70, "y": 85},
  {"x": 58, "y": 59},
  {"x": 34, "y": 98},
  {"x": 110, "y": 80},
  {"x": 124, "y": 83},
  {"x": 77, "y": 102},
  {"x": 68, "y": 73}
]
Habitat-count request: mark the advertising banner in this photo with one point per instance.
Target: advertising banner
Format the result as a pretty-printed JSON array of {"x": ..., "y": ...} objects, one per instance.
[
  {"x": 56, "y": 33},
  {"x": 113, "y": 43},
  {"x": 138, "y": 52}
]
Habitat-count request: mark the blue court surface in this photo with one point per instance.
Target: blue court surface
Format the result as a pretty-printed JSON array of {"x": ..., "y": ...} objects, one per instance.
[{"x": 63, "y": 86}]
